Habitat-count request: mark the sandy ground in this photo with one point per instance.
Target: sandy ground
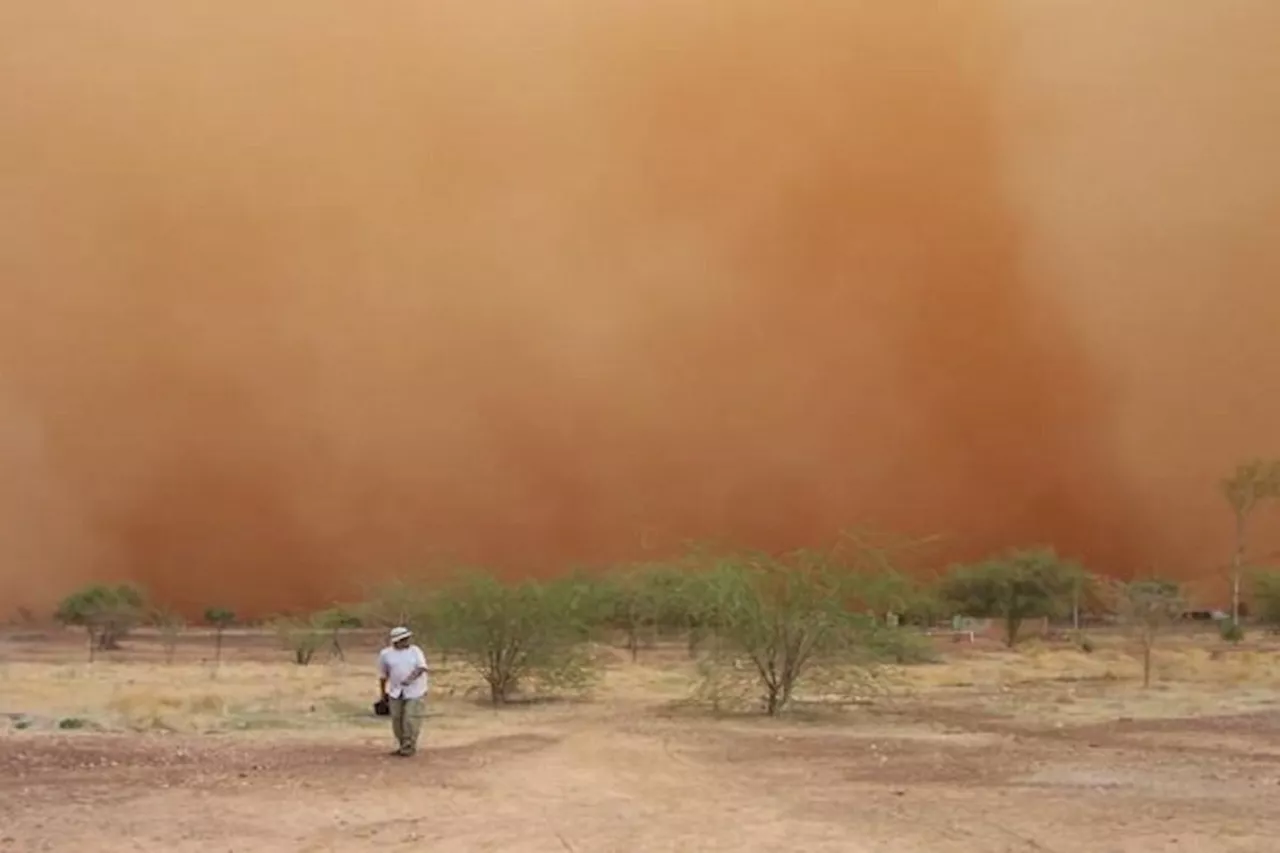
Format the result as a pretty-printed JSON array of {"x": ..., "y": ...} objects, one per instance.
[{"x": 1047, "y": 749}]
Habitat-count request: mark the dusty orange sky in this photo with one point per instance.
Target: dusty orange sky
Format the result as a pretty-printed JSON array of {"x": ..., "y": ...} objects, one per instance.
[{"x": 300, "y": 295}]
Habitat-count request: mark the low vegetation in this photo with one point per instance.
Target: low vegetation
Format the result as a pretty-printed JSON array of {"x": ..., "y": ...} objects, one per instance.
[
  {"x": 1253, "y": 485},
  {"x": 333, "y": 622},
  {"x": 220, "y": 618},
  {"x": 781, "y": 619},
  {"x": 1014, "y": 588},
  {"x": 511, "y": 634},
  {"x": 169, "y": 623},
  {"x": 1149, "y": 607},
  {"x": 107, "y": 612},
  {"x": 301, "y": 636},
  {"x": 773, "y": 626},
  {"x": 1266, "y": 597}
]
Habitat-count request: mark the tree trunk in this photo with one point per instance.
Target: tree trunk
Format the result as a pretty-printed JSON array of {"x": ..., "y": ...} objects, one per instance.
[
  {"x": 1237, "y": 567},
  {"x": 1075, "y": 610},
  {"x": 772, "y": 705},
  {"x": 1012, "y": 624}
]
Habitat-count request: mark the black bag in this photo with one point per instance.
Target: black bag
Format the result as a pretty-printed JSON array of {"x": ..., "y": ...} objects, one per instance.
[{"x": 382, "y": 707}]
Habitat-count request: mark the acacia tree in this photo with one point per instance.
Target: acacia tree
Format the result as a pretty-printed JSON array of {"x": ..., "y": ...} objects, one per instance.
[
  {"x": 1089, "y": 594},
  {"x": 1252, "y": 484},
  {"x": 335, "y": 620},
  {"x": 1149, "y": 607},
  {"x": 642, "y": 599},
  {"x": 106, "y": 611},
  {"x": 871, "y": 563},
  {"x": 169, "y": 623},
  {"x": 401, "y": 602},
  {"x": 1016, "y": 586},
  {"x": 221, "y": 618},
  {"x": 782, "y": 617},
  {"x": 510, "y": 633},
  {"x": 302, "y": 637}
]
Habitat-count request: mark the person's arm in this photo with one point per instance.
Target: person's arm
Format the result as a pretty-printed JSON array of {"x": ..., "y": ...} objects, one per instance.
[
  {"x": 382, "y": 675},
  {"x": 419, "y": 670}
]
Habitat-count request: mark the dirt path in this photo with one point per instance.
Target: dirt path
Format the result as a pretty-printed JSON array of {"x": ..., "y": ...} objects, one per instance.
[{"x": 587, "y": 783}]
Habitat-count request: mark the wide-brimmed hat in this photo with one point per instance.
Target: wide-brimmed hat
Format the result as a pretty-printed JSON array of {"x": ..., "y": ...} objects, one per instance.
[{"x": 400, "y": 633}]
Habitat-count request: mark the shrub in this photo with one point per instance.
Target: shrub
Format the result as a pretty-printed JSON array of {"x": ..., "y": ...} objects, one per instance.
[
  {"x": 513, "y": 633},
  {"x": 169, "y": 623},
  {"x": 900, "y": 647},
  {"x": 302, "y": 637},
  {"x": 400, "y": 602},
  {"x": 781, "y": 619},
  {"x": 107, "y": 613},
  {"x": 1014, "y": 587},
  {"x": 641, "y": 601},
  {"x": 1149, "y": 606},
  {"x": 1230, "y": 631},
  {"x": 927, "y": 607},
  {"x": 334, "y": 621},
  {"x": 220, "y": 618},
  {"x": 1266, "y": 596}
]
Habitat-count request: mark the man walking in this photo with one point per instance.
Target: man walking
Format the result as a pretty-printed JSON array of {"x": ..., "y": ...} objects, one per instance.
[{"x": 402, "y": 680}]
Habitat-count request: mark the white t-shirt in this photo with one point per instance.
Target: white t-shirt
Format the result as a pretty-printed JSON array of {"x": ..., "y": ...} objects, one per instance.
[{"x": 394, "y": 664}]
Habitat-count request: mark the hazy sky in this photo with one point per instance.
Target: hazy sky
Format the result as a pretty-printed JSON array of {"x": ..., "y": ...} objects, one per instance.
[{"x": 294, "y": 297}]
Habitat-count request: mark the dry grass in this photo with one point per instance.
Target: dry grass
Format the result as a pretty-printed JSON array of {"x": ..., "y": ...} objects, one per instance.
[
  {"x": 1055, "y": 683},
  {"x": 961, "y": 769},
  {"x": 1193, "y": 676},
  {"x": 186, "y": 697}
]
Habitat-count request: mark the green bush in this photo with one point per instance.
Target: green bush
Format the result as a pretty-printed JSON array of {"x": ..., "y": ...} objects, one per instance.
[
  {"x": 106, "y": 611},
  {"x": 1014, "y": 587},
  {"x": 1231, "y": 632},
  {"x": 1149, "y": 606},
  {"x": 899, "y": 646},
  {"x": 1266, "y": 596},
  {"x": 401, "y": 602},
  {"x": 169, "y": 623},
  {"x": 780, "y": 619},
  {"x": 511, "y": 634},
  {"x": 642, "y": 601},
  {"x": 302, "y": 637},
  {"x": 334, "y": 621},
  {"x": 221, "y": 618}
]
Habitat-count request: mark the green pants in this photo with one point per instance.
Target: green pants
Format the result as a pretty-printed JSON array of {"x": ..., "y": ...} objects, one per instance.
[{"x": 406, "y": 723}]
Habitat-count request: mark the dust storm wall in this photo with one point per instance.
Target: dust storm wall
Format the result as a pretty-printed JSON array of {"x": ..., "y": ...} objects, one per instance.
[{"x": 300, "y": 296}]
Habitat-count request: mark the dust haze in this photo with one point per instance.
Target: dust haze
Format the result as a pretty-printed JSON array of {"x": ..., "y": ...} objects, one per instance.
[{"x": 296, "y": 297}]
